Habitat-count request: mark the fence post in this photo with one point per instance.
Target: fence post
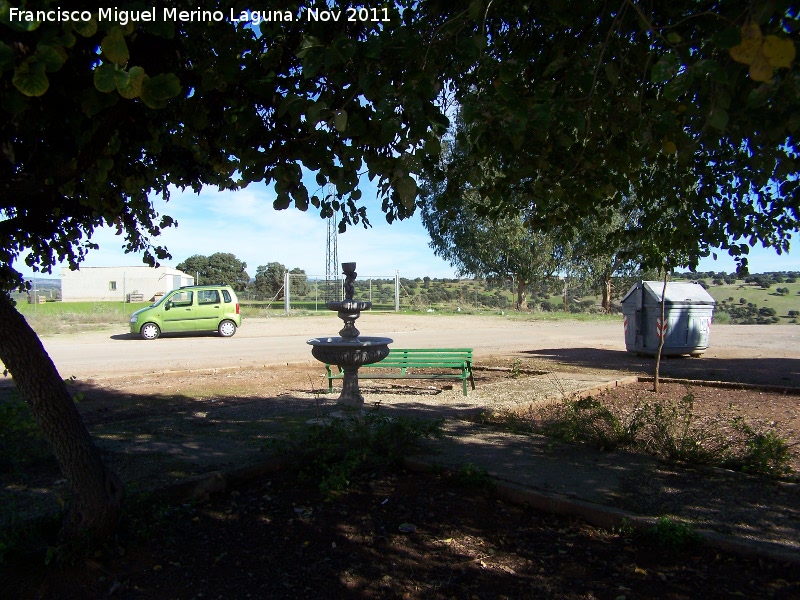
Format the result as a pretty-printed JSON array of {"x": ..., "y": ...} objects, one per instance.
[
  {"x": 286, "y": 300},
  {"x": 397, "y": 291}
]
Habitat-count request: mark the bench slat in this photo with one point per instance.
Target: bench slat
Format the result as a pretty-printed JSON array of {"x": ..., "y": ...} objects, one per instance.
[{"x": 404, "y": 359}]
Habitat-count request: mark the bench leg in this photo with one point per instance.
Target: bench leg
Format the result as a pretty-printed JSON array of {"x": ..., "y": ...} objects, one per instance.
[{"x": 330, "y": 378}]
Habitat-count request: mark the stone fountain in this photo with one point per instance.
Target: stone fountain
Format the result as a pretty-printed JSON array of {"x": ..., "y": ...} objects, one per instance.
[{"x": 350, "y": 350}]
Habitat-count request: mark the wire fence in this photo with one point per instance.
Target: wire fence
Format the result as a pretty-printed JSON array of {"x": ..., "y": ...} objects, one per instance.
[{"x": 309, "y": 292}]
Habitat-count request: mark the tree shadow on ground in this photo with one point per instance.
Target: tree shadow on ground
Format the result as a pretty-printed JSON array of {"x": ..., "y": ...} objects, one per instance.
[
  {"x": 155, "y": 441},
  {"x": 761, "y": 371}
]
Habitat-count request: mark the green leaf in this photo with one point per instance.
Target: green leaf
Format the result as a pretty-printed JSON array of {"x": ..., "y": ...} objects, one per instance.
[
  {"x": 104, "y": 79},
  {"x": 105, "y": 163},
  {"x": 309, "y": 43},
  {"x": 157, "y": 90},
  {"x": 6, "y": 56},
  {"x": 345, "y": 48},
  {"x": 759, "y": 96},
  {"x": 14, "y": 102},
  {"x": 287, "y": 103},
  {"x": 340, "y": 120},
  {"x": 508, "y": 72},
  {"x": 114, "y": 46},
  {"x": 678, "y": 86},
  {"x": 282, "y": 202},
  {"x": 665, "y": 69},
  {"x": 313, "y": 61},
  {"x": 30, "y": 79},
  {"x": 612, "y": 72},
  {"x": 85, "y": 28},
  {"x": 53, "y": 57},
  {"x": 407, "y": 190},
  {"x": 130, "y": 86},
  {"x": 314, "y": 112},
  {"x": 300, "y": 196},
  {"x": 718, "y": 118},
  {"x": 506, "y": 92}
]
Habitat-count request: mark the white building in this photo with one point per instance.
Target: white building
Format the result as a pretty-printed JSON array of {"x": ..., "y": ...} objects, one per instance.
[{"x": 132, "y": 284}]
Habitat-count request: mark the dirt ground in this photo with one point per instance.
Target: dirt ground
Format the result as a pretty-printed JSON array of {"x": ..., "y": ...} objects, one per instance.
[
  {"x": 399, "y": 534},
  {"x": 392, "y": 535}
]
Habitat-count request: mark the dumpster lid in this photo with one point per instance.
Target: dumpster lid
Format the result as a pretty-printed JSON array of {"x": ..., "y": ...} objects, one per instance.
[{"x": 678, "y": 292}]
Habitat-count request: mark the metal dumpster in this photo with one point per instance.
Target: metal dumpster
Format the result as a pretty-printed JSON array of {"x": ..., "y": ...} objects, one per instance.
[{"x": 688, "y": 310}]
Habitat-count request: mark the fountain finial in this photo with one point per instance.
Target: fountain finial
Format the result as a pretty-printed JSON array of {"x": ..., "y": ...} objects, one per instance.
[{"x": 349, "y": 270}]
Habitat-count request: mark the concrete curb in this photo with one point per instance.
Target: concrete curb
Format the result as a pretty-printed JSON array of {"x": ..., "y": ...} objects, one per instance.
[
  {"x": 728, "y": 385},
  {"x": 604, "y": 387},
  {"x": 608, "y": 517}
]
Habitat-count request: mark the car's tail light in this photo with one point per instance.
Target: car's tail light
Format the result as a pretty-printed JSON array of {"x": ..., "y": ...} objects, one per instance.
[{"x": 237, "y": 308}]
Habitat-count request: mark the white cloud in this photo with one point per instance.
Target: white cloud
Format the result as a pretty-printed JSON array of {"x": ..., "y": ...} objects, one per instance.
[{"x": 244, "y": 223}]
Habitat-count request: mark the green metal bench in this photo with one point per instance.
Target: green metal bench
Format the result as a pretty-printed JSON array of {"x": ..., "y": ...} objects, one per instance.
[{"x": 402, "y": 360}]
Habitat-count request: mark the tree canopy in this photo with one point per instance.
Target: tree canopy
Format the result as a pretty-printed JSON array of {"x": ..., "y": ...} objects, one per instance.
[
  {"x": 571, "y": 108},
  {"x": 269, "y": 279},
  {"x": 98, "y": 116},
  {"x": 220, "y": 267},
  {"x": 501, "y": 248}
]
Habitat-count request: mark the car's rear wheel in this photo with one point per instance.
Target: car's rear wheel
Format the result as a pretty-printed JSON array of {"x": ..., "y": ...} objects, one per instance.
[
  {"x": 150, "y": 331},
  {"x": 227, "y": 328}
]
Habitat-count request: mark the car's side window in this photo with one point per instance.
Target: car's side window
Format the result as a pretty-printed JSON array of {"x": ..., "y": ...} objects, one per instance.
[
  {"x": 226, "y": 295},
  {"x": 208, "y": 297},
  {"x": 182, "y": 299}
]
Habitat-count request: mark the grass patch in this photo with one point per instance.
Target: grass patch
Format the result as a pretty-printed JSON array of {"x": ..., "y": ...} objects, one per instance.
[
  {"x": 76, "y": 317},
  {"x": 22, "y": 444}
]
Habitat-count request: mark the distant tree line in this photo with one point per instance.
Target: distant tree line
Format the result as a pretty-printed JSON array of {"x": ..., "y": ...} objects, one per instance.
[{"x": 224, "y": 267}]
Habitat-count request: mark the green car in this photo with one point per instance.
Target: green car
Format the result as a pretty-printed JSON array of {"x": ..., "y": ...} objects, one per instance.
[{"x": 190, "y": 308}]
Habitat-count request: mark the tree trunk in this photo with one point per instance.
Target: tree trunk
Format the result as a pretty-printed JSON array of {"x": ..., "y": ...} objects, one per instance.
[
  {"x": 98, "y": 492},
  {"x": 522, "y": 295},
  {"x": 662, "y": 334},
  {"x": 607, "y": 294}
]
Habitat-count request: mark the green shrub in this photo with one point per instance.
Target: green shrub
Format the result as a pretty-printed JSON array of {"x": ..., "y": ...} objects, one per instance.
[
  {"x": 333, "y": 451},
  {"x": 474, "y": 477},
  {"x": 669, "y": 430},
  {"x": 588, "y": 420},
  {"x": 764, "y": 454},
  {"x": 672, "y": 535}
]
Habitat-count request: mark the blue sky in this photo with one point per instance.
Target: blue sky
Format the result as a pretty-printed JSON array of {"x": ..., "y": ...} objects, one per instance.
[{"x": 244, "y": 223}]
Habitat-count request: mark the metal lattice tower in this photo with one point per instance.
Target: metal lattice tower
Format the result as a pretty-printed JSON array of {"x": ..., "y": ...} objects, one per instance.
[{"x": 331, "y": 253}]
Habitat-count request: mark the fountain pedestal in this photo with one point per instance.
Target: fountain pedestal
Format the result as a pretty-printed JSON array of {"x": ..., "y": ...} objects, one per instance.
[{"x": 350, "y": 351}]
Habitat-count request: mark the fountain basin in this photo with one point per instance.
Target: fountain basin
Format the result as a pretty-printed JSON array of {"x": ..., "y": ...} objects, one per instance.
[
  {"x": 350, "y": 352},
  {"x": 349, "y": 306}
]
